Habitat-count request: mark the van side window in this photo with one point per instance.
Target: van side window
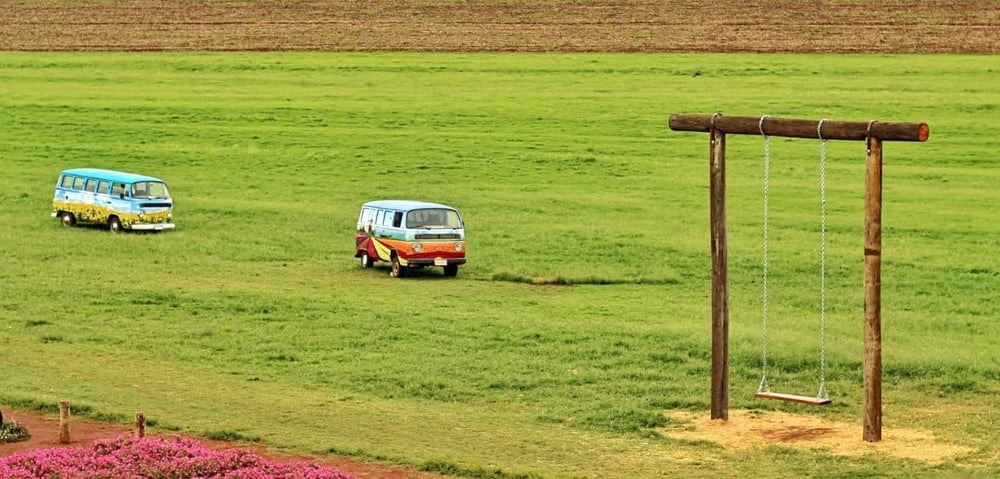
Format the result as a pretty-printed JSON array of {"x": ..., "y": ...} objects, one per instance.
[
  {"x": 387, "y": 219},
  {"x": 378, "y": 217},
  {"x": 118, "y": 189},
  {"x": 67, "y": 182},
  {"x": 92, "y": 186},
  {"x": 397, "y": 219},
  {"x": 78, "y": 183},
  {"x": 103, "y": 186}
]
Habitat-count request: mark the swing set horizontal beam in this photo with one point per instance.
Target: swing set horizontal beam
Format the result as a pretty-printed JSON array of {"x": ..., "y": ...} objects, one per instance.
[
  {"x": 793, "y": 128},
  {"x": 810, "y": 400}
]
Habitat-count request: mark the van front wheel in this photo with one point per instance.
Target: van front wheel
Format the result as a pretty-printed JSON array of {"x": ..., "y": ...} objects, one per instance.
[
  {"x": 398, "y": 270},
  {"x": 114, "y": 224},
  {"x": 67, "y": 218}
]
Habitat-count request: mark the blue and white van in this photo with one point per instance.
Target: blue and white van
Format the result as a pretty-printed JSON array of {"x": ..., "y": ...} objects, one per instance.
[{"x": 122, "y": 201}]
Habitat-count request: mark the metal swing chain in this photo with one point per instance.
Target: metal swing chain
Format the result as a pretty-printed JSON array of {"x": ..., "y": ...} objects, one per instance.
[
  {"x": 822, "y": 394},
  {"x": 764, "y": 387}
]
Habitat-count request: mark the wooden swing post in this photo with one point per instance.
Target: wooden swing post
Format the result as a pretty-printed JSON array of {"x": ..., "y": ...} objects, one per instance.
[
  {"x": 873, "y": 133},
  {"x": 872, "y": 375}
]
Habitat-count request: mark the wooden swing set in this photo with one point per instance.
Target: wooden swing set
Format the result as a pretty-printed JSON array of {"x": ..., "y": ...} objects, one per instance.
[{"x": 873, "y": 134}]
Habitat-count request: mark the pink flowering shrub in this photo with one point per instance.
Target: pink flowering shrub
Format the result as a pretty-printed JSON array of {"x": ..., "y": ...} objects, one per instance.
[{"x": 155, "y": 457}]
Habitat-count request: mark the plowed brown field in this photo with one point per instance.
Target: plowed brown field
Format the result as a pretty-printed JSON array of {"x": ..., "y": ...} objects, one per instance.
[{"x": 891, "y": 26}]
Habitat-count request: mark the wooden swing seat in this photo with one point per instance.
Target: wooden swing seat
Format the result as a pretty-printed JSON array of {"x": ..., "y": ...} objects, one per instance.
[{"x": 810, "y": 400}]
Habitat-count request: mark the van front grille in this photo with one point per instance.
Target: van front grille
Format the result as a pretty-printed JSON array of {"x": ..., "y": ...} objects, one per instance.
[{"x": 428, "y": 236}]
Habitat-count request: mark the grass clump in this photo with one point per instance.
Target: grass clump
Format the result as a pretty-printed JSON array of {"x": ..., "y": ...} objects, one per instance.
[{"x": 13, "y": 432}]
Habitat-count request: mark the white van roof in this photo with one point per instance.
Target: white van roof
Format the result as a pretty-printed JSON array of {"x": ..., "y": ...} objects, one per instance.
[
  {"x": 112, "y": 175},
  {"x": 405, "y": 205}
]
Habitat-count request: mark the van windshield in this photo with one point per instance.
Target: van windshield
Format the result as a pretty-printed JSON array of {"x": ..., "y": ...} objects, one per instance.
[
  {"x": 436, "y": 218},
  {"x": 150, "y": 189}
]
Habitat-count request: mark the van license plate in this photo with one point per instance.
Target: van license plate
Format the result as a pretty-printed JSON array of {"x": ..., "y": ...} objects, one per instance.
[{"x": 440, "y": 262}]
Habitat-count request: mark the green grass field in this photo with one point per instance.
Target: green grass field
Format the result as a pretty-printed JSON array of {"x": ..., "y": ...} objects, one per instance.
[{"x": 583, "y": 314}]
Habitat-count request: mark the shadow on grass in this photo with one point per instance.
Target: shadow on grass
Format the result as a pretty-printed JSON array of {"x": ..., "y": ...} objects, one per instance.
[{"x": 564, "y": 281}]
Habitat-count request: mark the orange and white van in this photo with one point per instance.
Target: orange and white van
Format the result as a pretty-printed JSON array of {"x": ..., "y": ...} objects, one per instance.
[{"x": 410, "y": 234}]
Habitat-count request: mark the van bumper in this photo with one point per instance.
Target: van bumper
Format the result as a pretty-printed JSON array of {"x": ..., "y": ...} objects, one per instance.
[
  {"x": 435, "y": 261},
  {"x": 152, "y": 227}
]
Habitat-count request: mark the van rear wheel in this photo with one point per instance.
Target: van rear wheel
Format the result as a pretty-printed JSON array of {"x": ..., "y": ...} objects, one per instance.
[
  {"x": 114, "y": 224},
  {"x": 451, "y": 270},
  {"x": 366, "y": 261},
  {"x": 67, "y": 218}
]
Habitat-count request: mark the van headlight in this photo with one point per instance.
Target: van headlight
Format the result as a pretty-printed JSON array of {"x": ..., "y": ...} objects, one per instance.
[
  {"x": 417, "y": 247},
  {"x": 141, "y": 215},
  {"x": 459, "y": 246}
]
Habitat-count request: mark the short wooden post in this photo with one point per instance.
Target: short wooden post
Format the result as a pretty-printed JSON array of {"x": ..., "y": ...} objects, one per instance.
[
  {"x": 64, "y": 422},
  {"x": 140, "y": 424}
]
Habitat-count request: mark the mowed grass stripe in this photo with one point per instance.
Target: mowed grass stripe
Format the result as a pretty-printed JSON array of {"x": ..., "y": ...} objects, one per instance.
[{"x": 567, "y": 174}]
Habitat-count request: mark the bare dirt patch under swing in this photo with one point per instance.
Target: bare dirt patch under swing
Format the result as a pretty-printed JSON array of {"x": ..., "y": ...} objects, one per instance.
[{"x": 748, "y": 430}]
